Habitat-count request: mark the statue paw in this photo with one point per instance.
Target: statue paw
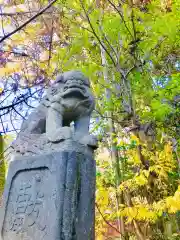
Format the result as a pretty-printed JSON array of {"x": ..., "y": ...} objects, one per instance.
[
  {"x": 89, "y": 140},
  {"x": 60, "y": 134}
]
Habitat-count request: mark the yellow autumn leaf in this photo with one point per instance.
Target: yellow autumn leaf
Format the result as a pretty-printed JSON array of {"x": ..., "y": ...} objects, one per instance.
[
  {"x": 146, "y": 173},
  {"x": 141, "y": 180},
  {"x": 18, "y": 39},
  {"x": 144, "y": 213},
  {"x": 4, "y": 72},
  {"x": 121, "y": 187},
  {"x": 100, "y": 237},
  {"x": 178, "y": 190},
  {"x": 159, "y": 206},
  {"x": 13, "y": 65},
  {"x": 173, "y": 204},
  {"x": 134, "y": 158},
  {"x": 168, "y": 149},
  {"x": 10, "y": 68},
  {"x": 134, "y": 138},
  {"x": 102, "y": 196},
  {"x": 129, "y": 212}
]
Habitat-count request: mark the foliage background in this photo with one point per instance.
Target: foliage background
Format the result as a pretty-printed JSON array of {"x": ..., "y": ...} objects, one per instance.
[{"x": 130, "y": 51}]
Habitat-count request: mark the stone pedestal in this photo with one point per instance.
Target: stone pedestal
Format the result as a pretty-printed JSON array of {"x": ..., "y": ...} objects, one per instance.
[{"x": 50, "y": 197}]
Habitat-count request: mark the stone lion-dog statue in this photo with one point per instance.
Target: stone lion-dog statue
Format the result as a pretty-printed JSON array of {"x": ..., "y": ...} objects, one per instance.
[{"x": 68, "y": 100}]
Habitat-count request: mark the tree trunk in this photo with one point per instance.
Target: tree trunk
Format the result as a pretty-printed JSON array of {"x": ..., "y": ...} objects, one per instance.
[{"x": 114, "y": 151}]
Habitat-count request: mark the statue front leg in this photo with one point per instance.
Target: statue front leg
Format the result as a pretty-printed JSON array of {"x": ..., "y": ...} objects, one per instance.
[
  {"x": 81, "y": 127},
  {"x": 54, "y": 126}
]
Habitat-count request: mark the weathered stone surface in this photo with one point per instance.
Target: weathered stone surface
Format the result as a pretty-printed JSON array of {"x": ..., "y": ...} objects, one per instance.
[
  {"x": 68, "y": 100},
  {"x": 35, "y": 145},
  {"x": 49, "y": 197}
]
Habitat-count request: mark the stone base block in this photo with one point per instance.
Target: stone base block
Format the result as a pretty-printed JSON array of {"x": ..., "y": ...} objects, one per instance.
[{"x": 49, "y": 197}]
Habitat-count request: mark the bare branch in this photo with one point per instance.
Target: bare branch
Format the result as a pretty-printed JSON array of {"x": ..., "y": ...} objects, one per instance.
[
  {"x": 107, "y": 221},
  {"x": 18, "y": 113},
  {"x": 120, "y": 14},
  {"x": 16, "y": 53},
  {"x": 133, "y": 25},
  {"x": 28, "y": 21},
  {"x": 108, "y": 42},
  {"x": 12, "y": 123},
  {"x": 2, "y": 123},
  {"x": 95, "y": 34},
  {"x": 5, "y": 98},
  {"x": 51, "y": 41},
  {"x": 26, "y": 96},
  {"x": 21, "y": 13}
]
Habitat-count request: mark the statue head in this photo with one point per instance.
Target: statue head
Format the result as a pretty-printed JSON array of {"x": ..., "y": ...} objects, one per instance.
[
  {"x": 72, "y": 89},
  {"x": 73, "y": 84}
]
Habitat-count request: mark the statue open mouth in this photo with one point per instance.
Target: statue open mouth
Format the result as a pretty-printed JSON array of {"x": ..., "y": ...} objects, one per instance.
[{"x": 74, "y": 91}]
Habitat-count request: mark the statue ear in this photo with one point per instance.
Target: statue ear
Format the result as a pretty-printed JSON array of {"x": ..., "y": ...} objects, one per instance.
[{"x": 59, "y": 78}]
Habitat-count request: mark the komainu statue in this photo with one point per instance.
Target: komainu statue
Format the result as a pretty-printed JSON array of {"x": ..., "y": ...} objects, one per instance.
[
  {"x": 50, "y": 187},
  {"x": 68, "y": 100}
]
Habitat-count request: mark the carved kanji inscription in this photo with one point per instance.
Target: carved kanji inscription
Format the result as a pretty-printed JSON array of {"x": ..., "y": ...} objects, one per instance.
[{"x": 27, "y": 206}]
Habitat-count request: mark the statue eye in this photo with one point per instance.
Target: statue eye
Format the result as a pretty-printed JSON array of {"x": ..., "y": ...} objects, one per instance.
[{"x": 54, "y": 91}]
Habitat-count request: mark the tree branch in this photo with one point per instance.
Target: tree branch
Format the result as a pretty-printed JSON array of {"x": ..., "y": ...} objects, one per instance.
[
  {"x": 18, "y": 102},
  {"x": 95, "y": 34},
  {"x": 120, "y": 14},
  {"x": 50, "y": 44},
  {"x": 106, "y": 220},
  {"x": 108, "y": 42},
  {"x": 15, "y": 53},
  {"x": 28, "y": 21}
]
